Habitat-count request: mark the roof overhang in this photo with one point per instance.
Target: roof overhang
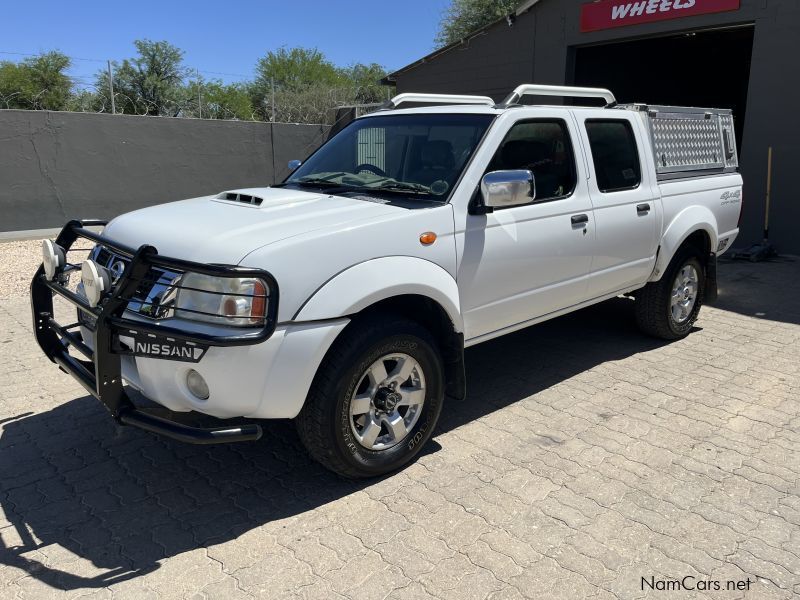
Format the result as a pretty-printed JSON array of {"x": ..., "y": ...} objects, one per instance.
[{"x": 390, "y": 79}]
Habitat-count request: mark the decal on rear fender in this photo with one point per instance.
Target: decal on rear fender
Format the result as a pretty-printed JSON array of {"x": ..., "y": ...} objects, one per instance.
[{"x": 729, "y": 197}]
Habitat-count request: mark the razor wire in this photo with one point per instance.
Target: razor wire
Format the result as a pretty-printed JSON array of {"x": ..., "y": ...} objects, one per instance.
[{"x": 311, "y": 104}]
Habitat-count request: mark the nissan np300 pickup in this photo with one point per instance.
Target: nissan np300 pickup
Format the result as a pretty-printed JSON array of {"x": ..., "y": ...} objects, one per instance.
[{"x": 344, "y": 297}]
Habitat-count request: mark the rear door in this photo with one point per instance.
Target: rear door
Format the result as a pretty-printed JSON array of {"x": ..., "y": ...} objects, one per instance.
[{"x": 624, "y": 197}]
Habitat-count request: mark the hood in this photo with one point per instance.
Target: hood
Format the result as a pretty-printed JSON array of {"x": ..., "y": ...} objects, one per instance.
[{"x": 212, "y": 229}]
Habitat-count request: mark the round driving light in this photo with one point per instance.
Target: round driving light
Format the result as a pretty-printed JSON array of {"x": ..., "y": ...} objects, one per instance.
[
  {"x": 197, "y": 385},
  {"x": 95, "y": 280},
  {"x": 53, "y": 258}
]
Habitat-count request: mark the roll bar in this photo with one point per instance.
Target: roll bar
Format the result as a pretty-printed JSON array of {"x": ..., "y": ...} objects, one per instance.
[
  {"x": 526, "y": 89},
  {"x": 531, "y": 89},
  {"x": 439, "y": 99}
]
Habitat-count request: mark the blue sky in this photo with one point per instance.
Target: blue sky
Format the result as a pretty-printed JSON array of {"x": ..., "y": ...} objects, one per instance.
[{"x": 222, "y": 37}]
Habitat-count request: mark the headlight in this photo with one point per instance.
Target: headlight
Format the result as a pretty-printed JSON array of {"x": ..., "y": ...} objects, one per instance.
[{"x": 238, "y": 301}]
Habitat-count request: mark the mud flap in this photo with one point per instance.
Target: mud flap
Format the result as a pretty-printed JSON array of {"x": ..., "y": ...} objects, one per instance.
[{"x": 711, "y": 292}]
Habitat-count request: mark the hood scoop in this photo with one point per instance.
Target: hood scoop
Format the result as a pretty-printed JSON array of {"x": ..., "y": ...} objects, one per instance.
[{"x": 241, "y": 198}]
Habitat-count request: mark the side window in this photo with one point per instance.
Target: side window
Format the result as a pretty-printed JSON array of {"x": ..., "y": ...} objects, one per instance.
[
  {"x": 615, "y": 155},
  {"x": 542, "y": 146}
]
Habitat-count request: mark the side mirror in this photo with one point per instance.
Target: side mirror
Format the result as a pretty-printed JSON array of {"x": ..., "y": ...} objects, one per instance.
[
  {"x": 501, "y": 189},
  {"x": 293, "y": 164}
]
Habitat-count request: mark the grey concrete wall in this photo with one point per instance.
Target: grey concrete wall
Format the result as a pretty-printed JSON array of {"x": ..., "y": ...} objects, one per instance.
[
  {"x": 55, "y": 166},
  {"x": 538, "y": 49}
]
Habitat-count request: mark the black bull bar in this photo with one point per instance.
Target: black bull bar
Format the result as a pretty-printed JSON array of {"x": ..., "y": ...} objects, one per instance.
[{"x": 100, "y": 371}]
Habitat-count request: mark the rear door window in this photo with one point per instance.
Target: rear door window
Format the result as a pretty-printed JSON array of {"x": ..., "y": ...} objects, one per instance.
[{"x": 615, "y": 155}]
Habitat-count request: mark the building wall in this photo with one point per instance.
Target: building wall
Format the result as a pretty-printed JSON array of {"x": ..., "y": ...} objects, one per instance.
[
  {"x": 539, "y": 47},
  {"x": 484, "y": 65},
  {"x": 56, "y": 166}
]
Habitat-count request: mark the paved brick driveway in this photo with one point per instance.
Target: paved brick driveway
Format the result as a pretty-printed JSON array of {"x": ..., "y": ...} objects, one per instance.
[{"x": 586, "y": 458}]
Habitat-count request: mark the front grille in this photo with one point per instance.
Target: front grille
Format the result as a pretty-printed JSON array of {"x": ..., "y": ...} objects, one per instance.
[{"x": 147, "y": 300}]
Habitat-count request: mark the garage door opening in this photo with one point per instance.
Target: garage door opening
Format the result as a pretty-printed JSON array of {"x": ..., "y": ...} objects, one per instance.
[{"x": 710, "y": 69}]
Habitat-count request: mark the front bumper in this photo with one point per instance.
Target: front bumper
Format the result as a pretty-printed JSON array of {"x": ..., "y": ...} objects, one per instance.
[{"x": 100, "y": 369}]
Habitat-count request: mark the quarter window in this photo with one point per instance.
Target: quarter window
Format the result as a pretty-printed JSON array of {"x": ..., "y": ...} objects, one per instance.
[
  {"x": 544, "y": 148},
  {"x": 615, "y": 155}
]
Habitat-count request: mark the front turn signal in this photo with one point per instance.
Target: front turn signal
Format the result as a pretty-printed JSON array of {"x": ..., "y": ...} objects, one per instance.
[{"x": 427, "y": 238}]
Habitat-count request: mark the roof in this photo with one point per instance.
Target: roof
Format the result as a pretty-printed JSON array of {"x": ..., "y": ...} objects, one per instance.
[
  {"x": 522, "y": 8},
  {"x": 525, "y": 6}
]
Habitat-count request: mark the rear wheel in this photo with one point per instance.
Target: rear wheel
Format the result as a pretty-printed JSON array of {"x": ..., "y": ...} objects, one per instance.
[
  {"x": 376, "y": 398},
  {"x": 669, "y": 307}
]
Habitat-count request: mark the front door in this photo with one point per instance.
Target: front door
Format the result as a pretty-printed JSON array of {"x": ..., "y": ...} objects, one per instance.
[{"x": 524, "y": 262}]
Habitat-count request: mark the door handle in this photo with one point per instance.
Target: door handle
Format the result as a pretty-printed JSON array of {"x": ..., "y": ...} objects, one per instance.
[
  {"x": 579, "y": 219},
  {"x": 642, "y": 209}
]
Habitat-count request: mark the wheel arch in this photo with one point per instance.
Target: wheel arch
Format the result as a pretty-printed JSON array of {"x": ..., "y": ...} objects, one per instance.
[
  {"x": 433, "y": 317},
  {"x": 414, "y": 288},
  {"x": 363, "y": 285},
  {"x": 696, "y": 226}
]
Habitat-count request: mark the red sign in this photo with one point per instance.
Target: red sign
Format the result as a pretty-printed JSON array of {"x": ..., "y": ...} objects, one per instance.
[{"x": 606, "y": 14}]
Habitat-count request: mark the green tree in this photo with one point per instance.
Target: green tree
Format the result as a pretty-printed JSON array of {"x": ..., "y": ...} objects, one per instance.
[
  {"x": 300, "y": 85},
  {"x": 295, "y": 67},
  {"x": 365, "y": 82},
  {"x": 83, "y": 100},
  {"x": 149, "y": 84},
  {"x": 463, "y": 17},
  {"x": 38, "y": 82},
  {"x": 216, "y": 100},
  {"x": 288, "y": 83},
  {"x": 15, "y": 89}
]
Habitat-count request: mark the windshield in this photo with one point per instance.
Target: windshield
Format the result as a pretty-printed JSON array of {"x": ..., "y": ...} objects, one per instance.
[{"x": 417, "y": 155}]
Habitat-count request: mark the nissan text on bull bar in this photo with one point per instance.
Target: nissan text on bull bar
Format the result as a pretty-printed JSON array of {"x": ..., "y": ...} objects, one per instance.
[{"x": 344, "y": 297}]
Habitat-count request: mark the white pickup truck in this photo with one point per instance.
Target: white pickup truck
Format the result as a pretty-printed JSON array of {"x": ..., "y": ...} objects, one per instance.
[{"x": 344, "y": 297}]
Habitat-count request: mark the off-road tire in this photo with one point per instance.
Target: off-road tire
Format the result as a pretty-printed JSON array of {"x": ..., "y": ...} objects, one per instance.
[
  {"x": 653, "y": 311},
  {"x": 324, "y": 422}
]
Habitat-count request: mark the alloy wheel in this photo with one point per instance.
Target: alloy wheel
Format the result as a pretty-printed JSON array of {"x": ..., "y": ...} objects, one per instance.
[
  {"x": 684, "y": 293},
  {"x": 387, "y": 402}
]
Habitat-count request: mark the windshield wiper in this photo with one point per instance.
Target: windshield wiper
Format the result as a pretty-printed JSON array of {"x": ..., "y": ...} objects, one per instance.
[
  {"x": 315, "y": 182},
  {"x": 396, "y": 187},
  {"x": 312, "y": 181},
  {"x": 403, "y": 186}
]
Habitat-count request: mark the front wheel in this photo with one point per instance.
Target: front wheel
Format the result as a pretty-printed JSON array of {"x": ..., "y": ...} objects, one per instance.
[
  {"x": 669, "y": 307},
  {"x": 376, "y": 398}
]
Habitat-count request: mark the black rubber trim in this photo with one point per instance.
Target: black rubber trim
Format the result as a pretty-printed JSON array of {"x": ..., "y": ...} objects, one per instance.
[{"x": 711, "y": 291}]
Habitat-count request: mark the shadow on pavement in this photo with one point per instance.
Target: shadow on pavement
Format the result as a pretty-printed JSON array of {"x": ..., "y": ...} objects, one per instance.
[
  {"x": 765, "y": 290},
  {"x": 124, "y": 499}
]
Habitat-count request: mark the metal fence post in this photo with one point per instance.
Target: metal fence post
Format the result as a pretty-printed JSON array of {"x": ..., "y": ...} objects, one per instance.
[
  {"x": 199, "y": 97},
  {"x": 272, "y": 85},
  {"x": 111, "y": 88}
]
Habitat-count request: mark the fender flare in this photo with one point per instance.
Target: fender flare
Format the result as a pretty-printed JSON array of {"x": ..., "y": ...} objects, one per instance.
[
  {"x": 362, "y": 285},
  {"x": 687, "y": 222}
]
